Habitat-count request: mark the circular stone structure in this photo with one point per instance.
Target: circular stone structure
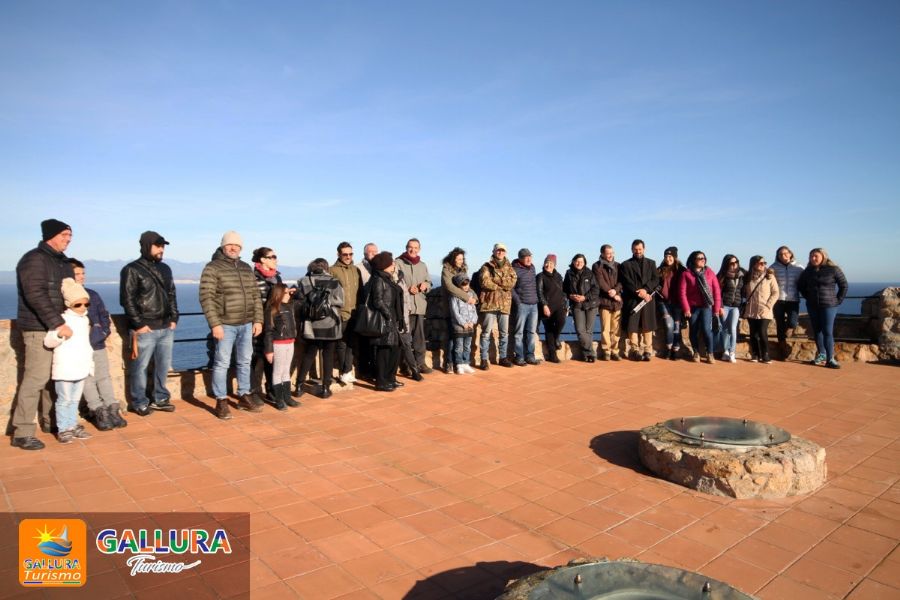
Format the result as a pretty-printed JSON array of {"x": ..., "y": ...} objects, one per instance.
[
  {"x": 735, "y": 470},
  {"x": 602, "y": 579}
]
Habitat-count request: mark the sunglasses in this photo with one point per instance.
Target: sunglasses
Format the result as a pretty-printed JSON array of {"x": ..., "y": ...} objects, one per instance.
[
  {"x": 271, "y": 257},
  {"x": 80, "y": 304},
  {"x": 346, "y": 254}
]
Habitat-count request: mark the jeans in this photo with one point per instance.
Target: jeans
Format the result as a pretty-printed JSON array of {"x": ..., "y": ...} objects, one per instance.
[
  {"x": 487, "y": 326},
  {"x": 462, "y": 349},
  {"x": 672, "y": 316},
  {"x": 728, "y": 332},
  {"x": 526, "y": 327},
  {"x": 822, "y": 320},
  {"x": 155, "y": 344},
  {"x": 787, "y": 315},
  {"x": 584, "y": 326},
  {"x": 701, "y": 316},
  {"x": 68, "y": 393},
  {"x": 98, "y": 389},
  {"x": 240, "y": 338}
]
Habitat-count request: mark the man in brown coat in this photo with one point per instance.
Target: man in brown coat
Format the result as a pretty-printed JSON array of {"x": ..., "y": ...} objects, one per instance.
[{"x": 606, "y": 271}]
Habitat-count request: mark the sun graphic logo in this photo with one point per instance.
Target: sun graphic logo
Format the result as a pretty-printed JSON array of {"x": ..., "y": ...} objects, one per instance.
[{"x": 52, "y": 552}]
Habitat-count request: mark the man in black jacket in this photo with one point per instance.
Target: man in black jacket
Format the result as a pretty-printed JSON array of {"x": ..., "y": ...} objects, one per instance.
[
  {"x": 147, "y": 293},
  {"x": 39, "y": 276}
]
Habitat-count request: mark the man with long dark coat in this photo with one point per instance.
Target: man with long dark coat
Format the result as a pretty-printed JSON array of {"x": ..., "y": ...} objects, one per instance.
[{"x": 639, "y": 282}]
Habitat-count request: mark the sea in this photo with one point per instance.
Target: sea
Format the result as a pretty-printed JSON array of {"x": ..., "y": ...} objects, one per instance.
[{"x": 191, "y": 351}]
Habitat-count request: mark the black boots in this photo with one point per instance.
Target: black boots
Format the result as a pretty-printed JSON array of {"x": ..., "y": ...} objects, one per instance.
[{"x": 102, "y": 419}]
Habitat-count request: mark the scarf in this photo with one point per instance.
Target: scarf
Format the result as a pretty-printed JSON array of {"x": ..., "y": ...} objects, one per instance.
[
  {"x": 266, "y": 272},
  {"x": 703, "y": 284},
  {"x": 410, "y": 259}
]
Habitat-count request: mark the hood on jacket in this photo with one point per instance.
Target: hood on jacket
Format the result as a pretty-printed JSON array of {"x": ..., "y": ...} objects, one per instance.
[{"x": 148, "y": 239}]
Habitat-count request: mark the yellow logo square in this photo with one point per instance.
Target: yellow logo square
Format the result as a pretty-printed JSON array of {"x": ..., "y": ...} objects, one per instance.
[{"x": 52, "y": 553}]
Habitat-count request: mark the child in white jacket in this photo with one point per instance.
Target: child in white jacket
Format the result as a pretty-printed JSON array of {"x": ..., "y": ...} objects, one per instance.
[{"x": 73, "y": 361}]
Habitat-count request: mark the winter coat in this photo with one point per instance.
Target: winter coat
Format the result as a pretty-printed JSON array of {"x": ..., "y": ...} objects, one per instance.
[
  {"x": 760, "y": 293},
  {"x": 386, "y": 297},
  {"x": 607, "y": 275},
  {"x": 73, "y": 358},
  {"x": 448, "y": 272},
  {"x": 787, "y": 275},
  {"x": 147, "y": 293},
  {"x": 228, "y": 292},
  {"x": 282, "y": 327},
  {"x": 39, "y": 276},
  {"x": 265, "y": 283},
  {"x": 329, "y": 327},
  {"x": 817, "y": 285},
  {"x": 733, "y": 289},
  {"x": 668, "y": 285},
  {"x": 525, "y": 290},
  {"x": 463, "y": 313},
  {"x": 414, "y": 274},
  {"x": 99, "y": 319},
  {"x": 583, "y": 283},
  {"x": 497, "y": 281},
  {"x": 639, "y": 274},
  {"x": 407, "y": 297},
  {"x": 550, "y": 291},
  {"x": 689, "y": 291},
  {"x": 351, "y": 281}
]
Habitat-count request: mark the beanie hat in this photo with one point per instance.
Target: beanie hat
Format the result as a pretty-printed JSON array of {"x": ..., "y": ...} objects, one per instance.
[
  {"x": 550, "y": 258},
  {"x": 671, "y": 250},
  {"x": 460, "y": 279},
  {"x": 382, "y": 260},
  {"x": 72, "y": 291},
  {"x": 52, "y": 228},
  {"x": 232, "y": 237},
  {"x": 524, "y": 252}
]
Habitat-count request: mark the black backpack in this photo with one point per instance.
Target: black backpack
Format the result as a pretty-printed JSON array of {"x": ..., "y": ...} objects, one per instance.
[{"x": 315, "y": 306}]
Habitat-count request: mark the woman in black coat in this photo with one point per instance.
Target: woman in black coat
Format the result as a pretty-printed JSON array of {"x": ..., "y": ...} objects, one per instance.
[
  {"x": 387, "y": 298},
  {"x": 552, "y": 305},
  {"x": 581, "y": 287},
  {"x": 824, "y": 287}
]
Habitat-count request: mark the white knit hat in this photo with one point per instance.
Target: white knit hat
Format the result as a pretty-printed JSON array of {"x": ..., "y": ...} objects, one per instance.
[
  {"x": 72, "y": 291},
  {"x": 232, "y": 237}
]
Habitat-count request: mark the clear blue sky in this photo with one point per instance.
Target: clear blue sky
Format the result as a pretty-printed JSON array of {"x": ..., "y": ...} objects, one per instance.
[{"x": 720, "y": 126}]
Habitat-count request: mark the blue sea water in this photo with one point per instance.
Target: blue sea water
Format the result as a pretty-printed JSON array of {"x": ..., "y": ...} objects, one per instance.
[{"x": 191, "y": 355}]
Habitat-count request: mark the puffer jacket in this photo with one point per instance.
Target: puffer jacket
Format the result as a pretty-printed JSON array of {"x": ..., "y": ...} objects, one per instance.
[
  {"x": 351, "y": 281},
  {"x": 386, "y": 297},
  {"x": 39, "y": 276},
  {"x": 817, "y": 286},
  {"x": 414, "y": 274},
  {"x": 497, "y": 282},
  {"x": 787, "y": 275},
  {"x": 328, "y": 328},
  {"x": 689, "y": 291},
  {"x": 228, "y": 292},
  {"x": 73, "y": 358},
  {"x": 282, "y": 327},
  {"x": 525, "y": 290},
  {"x": 607, "y": 275},
  {"x": 147, "y": 293},
  {"x": 761, "y": 293},
  {"x": 733, "y": 289},
  {"x": 583, "y": 283},
  {"x": 463, "y": 313}
]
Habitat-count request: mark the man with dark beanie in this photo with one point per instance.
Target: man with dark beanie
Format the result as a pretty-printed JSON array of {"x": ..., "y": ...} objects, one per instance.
[
  {"x": 39, "y": 276},
  {"x": 147, "y": 293}
]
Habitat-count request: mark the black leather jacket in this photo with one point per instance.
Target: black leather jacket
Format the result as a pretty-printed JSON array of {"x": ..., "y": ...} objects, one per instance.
[
  {"x": 147, "y": 293},
  {"x": 39, "y": 276},
  {"x": 387, "y": 298}
]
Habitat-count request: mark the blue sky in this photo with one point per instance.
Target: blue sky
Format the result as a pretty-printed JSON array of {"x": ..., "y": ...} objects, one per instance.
[{"x": 719, "y": 126}]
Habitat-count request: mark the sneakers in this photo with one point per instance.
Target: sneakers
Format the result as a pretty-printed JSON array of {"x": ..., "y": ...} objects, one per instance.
[
  {"x": 347, "y": 378},
  {"x": 754, "y": 358},
  {"x": 222, "y": 410},
  {"x": 766, "y": 360},
  {"x": 819, "y": 360},
  {"x": 833, "y": 364},
  {"x": 164, "y": 406},
  {"x": 80, "y": 433},
  {"x": 141, "y": 411},
  {"x": 28, "y": 443},
  {"x": 468, "y": 369},
  {"x": 532, "y": 361},
  {"x": 732, "y": 358},
  {"x": 725, "y": 355},
  {"x": 520, "y": 362},
  {"x": 461, "y": 370}
]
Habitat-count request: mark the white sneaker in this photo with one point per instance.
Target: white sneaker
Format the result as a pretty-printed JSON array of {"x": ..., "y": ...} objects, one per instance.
[
  {"x": 468, "y": 368},
  {"x": 347, "y": 377},
  {"x": 461, "y": 369},
  {"x": 726, "y": 355},
  {"x": 732, "y": 358}
]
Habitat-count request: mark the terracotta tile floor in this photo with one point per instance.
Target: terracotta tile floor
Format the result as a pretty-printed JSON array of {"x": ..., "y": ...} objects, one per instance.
[{"x": 450, "y": 487}]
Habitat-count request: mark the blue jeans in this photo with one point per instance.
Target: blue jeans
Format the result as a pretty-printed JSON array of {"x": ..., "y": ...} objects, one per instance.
[
  {"x": 701, "y": 316},
  {"x": 487, "y": 327},
  {"x": 462, "y": 350},
  {"x": 68, "y": 394},
  {"x": 672, "y": 316},
  {"x": 526, "y": 326},
  {"x": 239, "y": 337},
  {"x": 155, "y": 344},
  {"x": 822, "y": 320},
  {"x": 728, "y": 331}
]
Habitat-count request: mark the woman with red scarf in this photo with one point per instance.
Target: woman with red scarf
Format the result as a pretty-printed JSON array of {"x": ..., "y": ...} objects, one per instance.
[{"x": 265, "y": 263}]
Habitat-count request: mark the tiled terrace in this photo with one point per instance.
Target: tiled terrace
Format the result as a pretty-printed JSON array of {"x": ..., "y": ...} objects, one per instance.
[{"x": 447, "y": 488}]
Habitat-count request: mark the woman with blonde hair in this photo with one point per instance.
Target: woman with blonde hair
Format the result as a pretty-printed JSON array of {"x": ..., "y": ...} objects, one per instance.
[{"x": 817, "y": 285}]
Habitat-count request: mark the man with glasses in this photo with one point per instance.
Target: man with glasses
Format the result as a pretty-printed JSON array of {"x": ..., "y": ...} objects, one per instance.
[
  {"x": 147, "y": 293},
  {"x": 350, "y": 277},
  {"x": 640, "y": 282},
  {"x": 39, "y": 276},
  {"x": 498, "y": 278}
]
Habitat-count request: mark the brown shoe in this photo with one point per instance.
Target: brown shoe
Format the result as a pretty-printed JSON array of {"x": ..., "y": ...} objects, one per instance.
[
  {"x": 246, "y": 402},
  {"x": 222, "y": 410}
]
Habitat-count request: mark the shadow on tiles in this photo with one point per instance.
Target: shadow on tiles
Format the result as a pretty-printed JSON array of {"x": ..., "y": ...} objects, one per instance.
[
  {"x": 619, "y": 448},
  {"x": 478, "y": 582}
]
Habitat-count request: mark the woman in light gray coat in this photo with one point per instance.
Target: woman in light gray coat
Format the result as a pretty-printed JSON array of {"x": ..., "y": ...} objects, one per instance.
[{"x": 319, "y": 298}]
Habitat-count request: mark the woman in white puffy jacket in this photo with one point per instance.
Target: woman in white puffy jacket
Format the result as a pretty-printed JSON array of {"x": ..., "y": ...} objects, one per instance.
[{"x": 73, "y": 361}]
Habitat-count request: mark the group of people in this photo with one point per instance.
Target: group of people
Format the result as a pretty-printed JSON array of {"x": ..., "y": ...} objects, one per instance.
[{"x": 368, "y": 319}]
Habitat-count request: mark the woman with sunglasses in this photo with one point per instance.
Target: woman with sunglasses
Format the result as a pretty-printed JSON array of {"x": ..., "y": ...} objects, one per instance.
[
  {"x": 731, "y": 281},
  {"x": 760, "y": 293},
  {"x": 700, "y": 299},
  {"x": 817, "y": 285},
  {"x": 265, "y": 269}
]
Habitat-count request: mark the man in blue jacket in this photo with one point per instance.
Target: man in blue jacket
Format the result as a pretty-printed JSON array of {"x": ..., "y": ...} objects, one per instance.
[{"x": 525, "y": 302}]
